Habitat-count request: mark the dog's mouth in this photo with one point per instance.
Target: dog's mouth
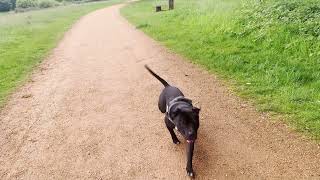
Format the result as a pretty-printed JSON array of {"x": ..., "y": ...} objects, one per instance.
[
  {"x": 187, "y": 138},
  {"x": 190, "y": 141}
]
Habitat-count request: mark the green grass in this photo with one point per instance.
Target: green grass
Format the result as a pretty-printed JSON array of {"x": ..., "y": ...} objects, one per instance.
[
  {"x": 26, "y": 39},
  {"x": 269, "y": 51}
]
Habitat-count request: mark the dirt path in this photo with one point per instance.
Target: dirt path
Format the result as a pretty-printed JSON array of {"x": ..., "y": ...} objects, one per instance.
[{"x": 92, "y": 114}]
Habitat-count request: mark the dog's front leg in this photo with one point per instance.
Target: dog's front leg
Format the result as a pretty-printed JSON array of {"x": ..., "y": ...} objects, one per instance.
[
  {"x": 170, "y": 127},
  {"x": 173, "y": 136},
  {"x": 190, "y": 147}
]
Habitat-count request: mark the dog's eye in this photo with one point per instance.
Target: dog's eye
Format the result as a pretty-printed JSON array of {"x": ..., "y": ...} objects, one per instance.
[{"x": 174, "y": 114}]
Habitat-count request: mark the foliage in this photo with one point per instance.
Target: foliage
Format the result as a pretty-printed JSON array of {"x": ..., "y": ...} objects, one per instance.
[
  {"x": 5, "y": 5},
  {"x": 47, "y": 3},
  {"x": 301, "y": 17},
  {"x": 27, "y": 3},
  {"x": 13, "y": 4}
]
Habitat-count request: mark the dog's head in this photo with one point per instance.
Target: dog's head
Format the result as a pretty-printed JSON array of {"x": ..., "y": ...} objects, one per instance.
[{"x": 186, "y": 119}]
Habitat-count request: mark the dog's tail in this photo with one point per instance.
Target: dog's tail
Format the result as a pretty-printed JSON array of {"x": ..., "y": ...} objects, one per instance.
[{"x": 156, "y": 76}]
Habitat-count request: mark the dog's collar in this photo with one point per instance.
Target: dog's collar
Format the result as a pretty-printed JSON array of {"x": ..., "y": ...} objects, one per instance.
[{"x": 176, "y": 100}]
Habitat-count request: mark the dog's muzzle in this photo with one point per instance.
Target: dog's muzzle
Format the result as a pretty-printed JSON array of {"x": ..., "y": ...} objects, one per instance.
[{"x": 190, "y": 141}]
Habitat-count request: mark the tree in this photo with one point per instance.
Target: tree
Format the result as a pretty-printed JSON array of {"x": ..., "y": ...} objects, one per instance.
[
  {"x": 5, "y": 5},
  {"x": 13, "y": 4}
]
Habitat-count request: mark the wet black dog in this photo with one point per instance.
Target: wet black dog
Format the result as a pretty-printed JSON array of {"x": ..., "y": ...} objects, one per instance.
[{"x": 181, "y": 115}]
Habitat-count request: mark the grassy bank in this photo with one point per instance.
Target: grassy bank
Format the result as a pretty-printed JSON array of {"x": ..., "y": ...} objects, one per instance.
[
  {"x": 269, "y": 50},
  {"x": 26, "y": 38}
]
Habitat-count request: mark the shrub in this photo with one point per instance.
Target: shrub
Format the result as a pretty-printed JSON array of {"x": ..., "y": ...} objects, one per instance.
[
  {"x": 47, "y": 3},
  {"x": 5, "y": 5},
  {"x": 301, "y": 17},
  {"x": 27, "y": 3}
]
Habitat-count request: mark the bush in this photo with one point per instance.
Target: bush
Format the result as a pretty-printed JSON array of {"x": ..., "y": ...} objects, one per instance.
[
  {"x": 300, "y": 17},
  {"x": 47, "y": 3},
  {"x": 27, "y": 3},
  {"x": 5, "y": 5}
]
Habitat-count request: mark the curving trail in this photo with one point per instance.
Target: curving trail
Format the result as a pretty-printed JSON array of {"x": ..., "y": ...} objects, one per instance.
[{"x": 90, "y": 112}]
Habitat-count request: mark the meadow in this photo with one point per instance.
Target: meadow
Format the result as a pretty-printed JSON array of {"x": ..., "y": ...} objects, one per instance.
[
  {"x": 268, "y": 51},
  {"x": 27, "y": 38}
]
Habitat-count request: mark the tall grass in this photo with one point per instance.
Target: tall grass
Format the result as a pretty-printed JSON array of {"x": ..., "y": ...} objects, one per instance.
[
  {"x": 269, "y": 50},
  {"x": 26, "y": 38}
]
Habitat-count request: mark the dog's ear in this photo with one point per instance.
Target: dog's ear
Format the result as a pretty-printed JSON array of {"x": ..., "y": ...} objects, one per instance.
[{"x": 196, "y": 110}]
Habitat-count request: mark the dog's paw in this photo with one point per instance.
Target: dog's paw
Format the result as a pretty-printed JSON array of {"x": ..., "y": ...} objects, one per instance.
[
  {"x": 191, "y": 174},
  {"x": 176, "y": 142}
]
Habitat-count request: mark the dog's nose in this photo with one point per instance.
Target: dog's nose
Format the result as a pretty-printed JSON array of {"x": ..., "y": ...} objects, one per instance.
[{"x": 190, "y": 132}]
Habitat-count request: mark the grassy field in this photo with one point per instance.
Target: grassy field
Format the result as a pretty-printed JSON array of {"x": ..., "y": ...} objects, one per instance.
[
  {"x": 26, "y": 38},
  {"x": 269, "y": 51}
]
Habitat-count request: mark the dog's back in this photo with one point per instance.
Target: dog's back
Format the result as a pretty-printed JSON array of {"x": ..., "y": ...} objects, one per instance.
[{"x": 168, "y": 93}]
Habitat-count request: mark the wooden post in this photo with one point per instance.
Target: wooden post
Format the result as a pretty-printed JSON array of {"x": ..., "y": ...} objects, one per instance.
[
  {"x": 158, "y": 8},
  {"x": 171, "y": 4}
]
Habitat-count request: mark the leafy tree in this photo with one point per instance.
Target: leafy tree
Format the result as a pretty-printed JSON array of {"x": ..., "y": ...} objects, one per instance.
[
  {"x": 5, "y": 5},
  {"x": 13, "y": 4}
]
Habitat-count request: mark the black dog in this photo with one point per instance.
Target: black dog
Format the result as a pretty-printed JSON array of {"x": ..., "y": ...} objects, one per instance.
[{"x": 179, "y": 114}]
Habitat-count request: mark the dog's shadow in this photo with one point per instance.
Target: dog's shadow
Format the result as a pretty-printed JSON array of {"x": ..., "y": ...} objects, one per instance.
[{"x": 203, "y": 155}]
